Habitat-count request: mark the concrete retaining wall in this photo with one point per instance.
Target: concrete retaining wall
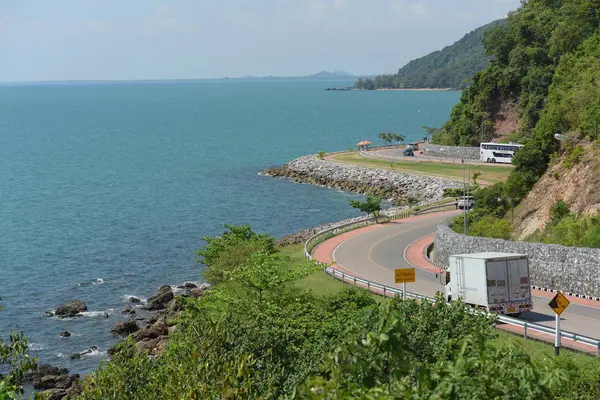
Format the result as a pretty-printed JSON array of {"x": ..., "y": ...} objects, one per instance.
[
  {"x": 569, "y": 269},
  {"x": 467, "y": 153}
]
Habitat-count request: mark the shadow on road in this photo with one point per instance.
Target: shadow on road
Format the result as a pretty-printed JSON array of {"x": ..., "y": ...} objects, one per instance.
[{"x": 533, "y": 316}]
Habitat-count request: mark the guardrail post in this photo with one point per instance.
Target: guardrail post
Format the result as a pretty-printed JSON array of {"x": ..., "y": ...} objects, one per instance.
[
  {"x": 525, "y": 330},
  {"x": 354, "y": 280},
  {"x": 368, "y": 286},
  {"x": 343, "y": 278},
  {"x": 598, "y": 349},
  {"x": 384, "y": 292}
]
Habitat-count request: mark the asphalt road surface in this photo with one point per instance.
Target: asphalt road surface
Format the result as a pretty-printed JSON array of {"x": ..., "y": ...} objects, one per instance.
[{"x": 375, "y": 254}]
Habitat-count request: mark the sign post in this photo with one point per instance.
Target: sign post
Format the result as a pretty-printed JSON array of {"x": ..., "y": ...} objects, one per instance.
[
  {"x": 559, "y": 303},
  {"x": 404, "y": 276}
]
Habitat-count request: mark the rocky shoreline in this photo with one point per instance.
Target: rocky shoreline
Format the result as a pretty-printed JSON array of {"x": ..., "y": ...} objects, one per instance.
[
  {"x": 149, "y": 325},
  {"x": 390, "y": 185}
]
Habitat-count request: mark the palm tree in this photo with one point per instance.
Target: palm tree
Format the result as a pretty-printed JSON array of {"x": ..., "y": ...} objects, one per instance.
[{"x": 386, "y": 137}]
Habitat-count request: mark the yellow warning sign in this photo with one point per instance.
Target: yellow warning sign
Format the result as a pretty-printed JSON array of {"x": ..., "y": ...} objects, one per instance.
[
  {"x": 405, "y": 275},
  {"x": 559, "y": 303}
]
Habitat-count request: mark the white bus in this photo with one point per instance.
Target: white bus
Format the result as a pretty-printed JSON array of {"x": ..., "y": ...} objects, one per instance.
[{"x": 499, "y": 152}]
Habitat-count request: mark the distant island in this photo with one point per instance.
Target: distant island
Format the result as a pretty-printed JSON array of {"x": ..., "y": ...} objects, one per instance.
[
  {"x": 323, "y": 75},
  {"x": 450, "y": 68},
  {"x": 319, "y": 76}
]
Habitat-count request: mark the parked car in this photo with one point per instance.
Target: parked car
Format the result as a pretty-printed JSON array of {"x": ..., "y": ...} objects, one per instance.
[
  {"x": 465, "y": 202},
  {"x": 408, "y": 152}
]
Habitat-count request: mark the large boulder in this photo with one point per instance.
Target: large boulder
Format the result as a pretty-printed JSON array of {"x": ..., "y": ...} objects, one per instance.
[
  {"x": 125, "y": 328},
  {"x": 195, "y": 292},
  {"x": 55, "y": 381},
  {"x": 35, "y": 377},
  {"x": 151, "y": 346},
  {"x": 55, "y": 394},
  {"x": 128, "y": 311},
  {"x": 70, "y": 309},
  {"x": 160, "y": 300},
  {"x": 157, "y": 329}
]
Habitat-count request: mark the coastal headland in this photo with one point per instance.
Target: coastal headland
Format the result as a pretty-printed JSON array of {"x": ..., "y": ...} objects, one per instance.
[{"x": 388, "y": 184}]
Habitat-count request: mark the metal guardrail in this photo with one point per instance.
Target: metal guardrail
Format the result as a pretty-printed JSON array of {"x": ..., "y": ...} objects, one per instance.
[
  {"x": 388, "y": 291},
  {"x": 314, "y": 240}
]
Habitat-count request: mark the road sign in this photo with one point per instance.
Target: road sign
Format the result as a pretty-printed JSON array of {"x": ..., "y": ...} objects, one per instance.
[
  {"x": 559, "y": 303},
  {"x": 405, "y": 275}
]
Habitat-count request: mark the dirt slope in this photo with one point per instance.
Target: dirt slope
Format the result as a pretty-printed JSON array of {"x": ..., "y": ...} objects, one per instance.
[{"x": 578, "y": 186}]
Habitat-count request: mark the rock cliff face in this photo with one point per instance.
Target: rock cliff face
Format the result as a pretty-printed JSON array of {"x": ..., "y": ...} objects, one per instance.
[
  {"x": 578, "y": 186},
  {"x": 371, "y": 181}
]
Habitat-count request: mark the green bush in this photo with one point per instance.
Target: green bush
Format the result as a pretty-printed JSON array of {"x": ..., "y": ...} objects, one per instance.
[
  {"x": 570, "y": 229},
  {"x": 491, "y": 227},
  {"x": 231, "y": 250},
  {"x": 560, "y": 210},
  {"x": 573, "y": 156}
]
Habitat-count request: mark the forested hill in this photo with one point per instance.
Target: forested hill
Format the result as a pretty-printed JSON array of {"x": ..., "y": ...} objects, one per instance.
[
  {"x": 545, "y": 65},
  {"x": 452, "y": 67}
]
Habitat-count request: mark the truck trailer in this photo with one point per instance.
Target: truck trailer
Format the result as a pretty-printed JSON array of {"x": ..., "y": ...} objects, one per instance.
[{"x": 496, "y": 282}]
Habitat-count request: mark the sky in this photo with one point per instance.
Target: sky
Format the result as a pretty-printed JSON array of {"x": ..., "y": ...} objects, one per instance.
[{"x": 46, "y": 40}]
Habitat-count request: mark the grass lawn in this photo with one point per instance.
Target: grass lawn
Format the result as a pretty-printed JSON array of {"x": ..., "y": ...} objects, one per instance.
[
  {"x": 319, "y": 282},
  {"x": 489, "y": 174},
  {"x": 540, "y": 351}
]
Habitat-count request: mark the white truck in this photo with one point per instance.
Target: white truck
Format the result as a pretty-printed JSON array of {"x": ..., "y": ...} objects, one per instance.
[{"x": 496, "y": 282}]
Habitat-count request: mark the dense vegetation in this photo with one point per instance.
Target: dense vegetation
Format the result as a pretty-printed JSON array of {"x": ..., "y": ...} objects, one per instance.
[
  {"x": 257, "y": 335},
  {"x": 546, "y": 58},
  {"x": 570, "y": 229},
  {"x": 452, "y": 67}
]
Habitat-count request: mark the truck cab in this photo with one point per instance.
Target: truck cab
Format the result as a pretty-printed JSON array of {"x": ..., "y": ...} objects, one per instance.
[{"x": 496, "y": 282}]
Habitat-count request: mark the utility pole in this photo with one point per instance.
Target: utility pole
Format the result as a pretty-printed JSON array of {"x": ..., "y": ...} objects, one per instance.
[{"x": 465, "y": 200}]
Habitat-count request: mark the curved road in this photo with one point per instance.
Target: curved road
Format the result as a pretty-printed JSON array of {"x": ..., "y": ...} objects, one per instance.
[{"x": 375, "y": 253}]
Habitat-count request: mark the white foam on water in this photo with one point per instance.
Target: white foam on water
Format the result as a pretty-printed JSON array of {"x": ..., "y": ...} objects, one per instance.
[
  {"x": 127, "y": 297},
  {"x": 36, "y": 346},
  {"x": 61, "y": 355},
  {"x": 98, "y": 281},
  {"x": 94, "y": 353},
  {"x": 104, "y": 313}
]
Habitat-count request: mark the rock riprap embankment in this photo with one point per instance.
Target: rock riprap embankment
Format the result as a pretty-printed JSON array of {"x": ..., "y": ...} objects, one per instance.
[{"x": 372, "y": 181}]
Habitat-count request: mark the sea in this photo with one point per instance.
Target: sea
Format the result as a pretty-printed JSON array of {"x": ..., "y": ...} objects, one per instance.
[{"x": 106, "y": 189}]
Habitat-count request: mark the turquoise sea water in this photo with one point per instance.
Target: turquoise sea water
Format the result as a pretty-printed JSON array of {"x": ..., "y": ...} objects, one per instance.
[{"x": 106, "y": 189}]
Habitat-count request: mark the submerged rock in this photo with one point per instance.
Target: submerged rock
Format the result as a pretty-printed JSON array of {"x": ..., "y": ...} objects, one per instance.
[
  {"x": 134, "y": 300},
  {"x": 71, "y": 309},
  {"x": 65, "y": 334},
  {"x": 77, "y": 356}
]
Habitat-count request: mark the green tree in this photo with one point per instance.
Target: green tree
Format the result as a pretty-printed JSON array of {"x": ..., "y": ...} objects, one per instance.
[
  {"x": 321, "y": 155},
  {"x": 386, "y": 137},
  {"x": 476, "y": 175},
  {"x": 397, "y": 138},
  {"x": 15, "y": 362},
  {"x": 371, "y": 206},
  {"x": 231, "y": 250}
]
